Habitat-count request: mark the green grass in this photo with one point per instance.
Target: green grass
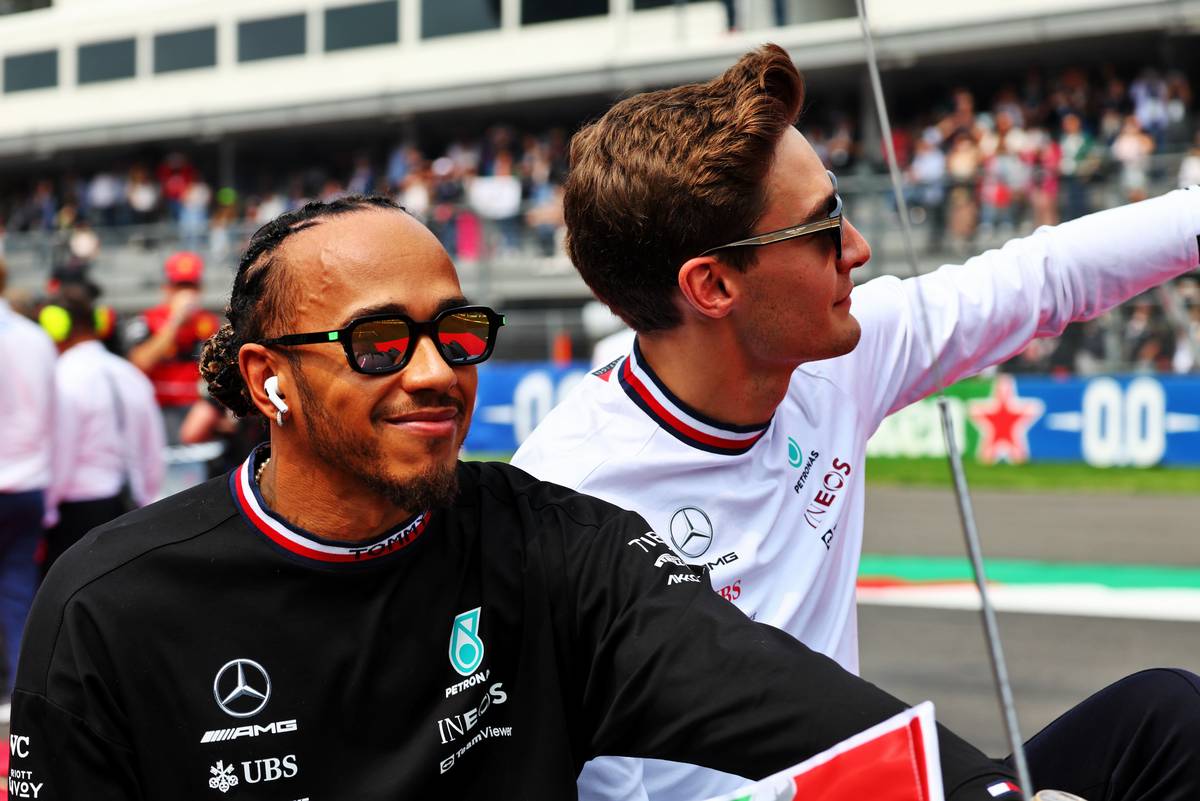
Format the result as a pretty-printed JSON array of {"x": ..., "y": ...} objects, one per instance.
[{"x": 1042, "y": 477}]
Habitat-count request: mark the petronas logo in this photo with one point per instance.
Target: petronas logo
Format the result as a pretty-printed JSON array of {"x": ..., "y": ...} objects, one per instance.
[{"x": 466, "y": 649}]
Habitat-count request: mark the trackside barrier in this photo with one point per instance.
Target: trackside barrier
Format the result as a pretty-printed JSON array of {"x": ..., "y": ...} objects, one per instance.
[
  {"x": 896, "y": 760},
  {"x": 1105, "y": 421}
]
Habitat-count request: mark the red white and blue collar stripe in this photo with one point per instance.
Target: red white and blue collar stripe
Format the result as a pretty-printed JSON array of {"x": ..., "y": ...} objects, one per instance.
[
  {"x": 251, "y": 504},
  {"x": 651, "y": 395},
  {"x": 1001, "y": 789}
]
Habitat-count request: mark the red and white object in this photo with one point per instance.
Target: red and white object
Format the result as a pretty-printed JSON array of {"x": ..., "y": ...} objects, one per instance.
[{"x": 896, "y": 760}]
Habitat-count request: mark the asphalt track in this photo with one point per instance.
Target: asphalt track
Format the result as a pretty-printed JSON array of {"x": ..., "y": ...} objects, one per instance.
[{"x": 1055, "y": 660}]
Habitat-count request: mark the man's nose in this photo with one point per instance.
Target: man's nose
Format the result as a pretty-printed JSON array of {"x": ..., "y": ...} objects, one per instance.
[
  {"x": 427, "y": 370},
  {"x": 855, "y": 250}
]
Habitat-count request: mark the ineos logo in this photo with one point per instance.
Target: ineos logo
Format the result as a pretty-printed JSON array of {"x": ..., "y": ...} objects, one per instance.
[
  {"x": 242, "y": 688},
  {"x": 691, "y": 531}
]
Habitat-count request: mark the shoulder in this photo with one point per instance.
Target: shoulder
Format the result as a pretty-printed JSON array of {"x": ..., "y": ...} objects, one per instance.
[
  {"x": 30, "y": 337},
  {"x": 508, "y": 489},
  {"x": 131, "y": 376},
  {"x": 97, "y": 572},
  {"x": 136, "y": 535},
  {"x": 593, "y": 425}
]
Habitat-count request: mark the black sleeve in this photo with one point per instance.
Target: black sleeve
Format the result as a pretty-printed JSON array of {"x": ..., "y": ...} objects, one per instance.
[
  {"x": 66, "y": 739},
  {"x": 676, "y": 672}
]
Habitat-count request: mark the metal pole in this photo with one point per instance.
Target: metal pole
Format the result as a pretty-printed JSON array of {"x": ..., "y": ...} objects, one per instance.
[{"x": 966, "y": 512}]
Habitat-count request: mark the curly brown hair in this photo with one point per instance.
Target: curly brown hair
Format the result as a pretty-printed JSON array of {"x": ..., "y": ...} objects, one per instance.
[
  {"x": 259, "y": 303},
  {"x": 665, "y": 175}
]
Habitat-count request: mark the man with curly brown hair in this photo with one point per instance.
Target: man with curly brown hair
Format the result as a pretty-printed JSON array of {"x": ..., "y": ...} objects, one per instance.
[{"x": 737, "y": 424}]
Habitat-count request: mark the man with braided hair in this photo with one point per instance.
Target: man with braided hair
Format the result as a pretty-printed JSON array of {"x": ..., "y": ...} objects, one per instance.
[
  {"x": 353, "y": 614},
  {"x": 737, "y": 424}
]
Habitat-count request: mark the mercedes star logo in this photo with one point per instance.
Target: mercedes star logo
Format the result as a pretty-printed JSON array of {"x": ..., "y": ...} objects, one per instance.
[
  {"x": 242, "y": 688},
  {"x": 691, "y": 531}
]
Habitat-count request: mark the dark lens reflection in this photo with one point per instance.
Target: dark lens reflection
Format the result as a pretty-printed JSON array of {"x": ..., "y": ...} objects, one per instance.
[
  {"x": 380, "y": 345},
  {"x": 464, "y": 336}
]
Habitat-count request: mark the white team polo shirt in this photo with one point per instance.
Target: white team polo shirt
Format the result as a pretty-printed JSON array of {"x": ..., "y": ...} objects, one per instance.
[{"x": 775, "y": 510}]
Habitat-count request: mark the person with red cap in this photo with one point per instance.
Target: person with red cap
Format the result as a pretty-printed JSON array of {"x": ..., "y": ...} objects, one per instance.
[{"x": 165, "y": 341}]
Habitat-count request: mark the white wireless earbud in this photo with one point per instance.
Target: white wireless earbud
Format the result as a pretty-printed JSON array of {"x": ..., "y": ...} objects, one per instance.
[{"x": 271, "y": 385}]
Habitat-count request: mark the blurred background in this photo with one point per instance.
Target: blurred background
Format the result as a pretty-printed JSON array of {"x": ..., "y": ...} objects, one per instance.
[{"x": 133, "y": 131}]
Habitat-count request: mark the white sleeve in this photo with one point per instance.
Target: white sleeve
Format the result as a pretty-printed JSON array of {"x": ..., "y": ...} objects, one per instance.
[
  {"x": 612, "y": 779},
  {"x": 986, "y": 310},
  {"x": 148, "y": 441}
]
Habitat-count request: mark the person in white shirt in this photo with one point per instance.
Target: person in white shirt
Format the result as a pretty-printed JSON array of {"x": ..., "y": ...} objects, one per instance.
[
  {"x": 110, "y": 440},
  {"x": 27, "y": 359},
  {"x": 738, "y": 423}
]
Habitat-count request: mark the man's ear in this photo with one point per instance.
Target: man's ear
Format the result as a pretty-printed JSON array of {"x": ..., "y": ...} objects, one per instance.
[
  {"x": 704, "y": 282},
  {"x": 258, "y": 363}
]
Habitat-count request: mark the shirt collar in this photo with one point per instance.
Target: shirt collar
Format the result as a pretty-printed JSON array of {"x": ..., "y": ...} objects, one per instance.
[
  {"x": 678, "y": 419},
  {"x": 291, "y": 538}
]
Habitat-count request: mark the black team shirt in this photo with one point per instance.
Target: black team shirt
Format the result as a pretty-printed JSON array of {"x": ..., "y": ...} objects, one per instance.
[{"x": 202, "y": 648}]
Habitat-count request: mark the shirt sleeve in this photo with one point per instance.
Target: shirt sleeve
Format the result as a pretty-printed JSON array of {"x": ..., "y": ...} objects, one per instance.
[
  {"x": 676, "y": 672},
  {"x": 984, "y": 311},
  {"x": 65, "y": 738}
]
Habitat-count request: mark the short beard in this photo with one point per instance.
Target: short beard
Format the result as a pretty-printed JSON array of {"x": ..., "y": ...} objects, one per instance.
[{"x": 434, "y": 487}]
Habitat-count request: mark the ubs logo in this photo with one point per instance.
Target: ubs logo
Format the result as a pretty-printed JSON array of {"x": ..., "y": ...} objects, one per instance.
[{"x": 691, "y": 531}]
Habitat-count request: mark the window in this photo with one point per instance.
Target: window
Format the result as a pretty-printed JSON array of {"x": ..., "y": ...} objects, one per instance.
[
  {"x": 107, "y": 61},
  {"x": 448, "y": 17},
  {"x": 16, "y": 6},
  {"x": 534, "y": 11},
  {"x": 273, "y": 37},
  {"x": 362, "y": 25},
  {"x": 185, "y": 50},
  {"x": 31, "y": 71},
  {"x": 642, "y": 5}
]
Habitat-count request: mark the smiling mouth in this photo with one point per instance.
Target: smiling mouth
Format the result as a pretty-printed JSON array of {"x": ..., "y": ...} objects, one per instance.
[{"x": 434, "y": 423}]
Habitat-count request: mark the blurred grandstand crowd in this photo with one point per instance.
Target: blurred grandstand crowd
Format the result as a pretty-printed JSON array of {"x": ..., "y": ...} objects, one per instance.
[{"x": 980, "y": 170}]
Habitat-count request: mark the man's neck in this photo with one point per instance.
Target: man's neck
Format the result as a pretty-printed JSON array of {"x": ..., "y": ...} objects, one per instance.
[
  {"x": 709, "y": 372},
  {"x": 315, "y": 500}
]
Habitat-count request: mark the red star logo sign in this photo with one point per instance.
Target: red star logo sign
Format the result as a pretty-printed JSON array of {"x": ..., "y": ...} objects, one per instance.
[{"x": 1004, "y": 421}]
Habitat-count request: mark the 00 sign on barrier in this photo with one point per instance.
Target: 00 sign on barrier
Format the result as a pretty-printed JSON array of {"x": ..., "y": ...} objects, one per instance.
[
  {"x": 1124, "y": 425},
  {"x": 513, "y": 398}
]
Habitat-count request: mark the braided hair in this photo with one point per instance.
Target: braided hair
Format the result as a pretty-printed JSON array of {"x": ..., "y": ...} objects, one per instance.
[{"x": 258, "y": 300}]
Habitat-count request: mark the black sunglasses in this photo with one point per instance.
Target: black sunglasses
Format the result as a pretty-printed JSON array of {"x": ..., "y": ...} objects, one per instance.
[
  {"x": 383, "y": 343},
  {"x": 832, "y": 223}
]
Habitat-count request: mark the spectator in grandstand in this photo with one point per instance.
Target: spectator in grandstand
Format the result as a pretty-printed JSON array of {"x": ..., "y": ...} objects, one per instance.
[
  {"x": 193, "y": 215},
  {"x": 357, "y": 545},
  {"x": 1131, "y": 149},
  {"x": 1044, "y": 157},
  {"x": 1187, "y": 345},
  {"x": 962, "y": 167},
  {"x": 1149, "y": 96},
  {"x": 1004, "y": 175},
  {"x": 164, "y": 342},
  {"x": 109, "y": 446},
  {"x": 738, "y": 421},
  {"x": 27, "y": 393},
  {"x": 141, "y": 194},
  {"x": 1079, "y": 163},
  {"x": 106, "y": 198},
  {"x": 1189, "y": 168},
  {"x": 927, "y": 186},
  {"x": 175, "y": 176}
]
